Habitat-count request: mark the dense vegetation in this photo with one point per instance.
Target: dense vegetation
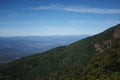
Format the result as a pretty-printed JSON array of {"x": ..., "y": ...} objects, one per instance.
[{"x": 94, "y": 58}]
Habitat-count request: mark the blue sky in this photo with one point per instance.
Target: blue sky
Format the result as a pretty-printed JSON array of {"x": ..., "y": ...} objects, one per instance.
[{"x": 57, "y": 17}]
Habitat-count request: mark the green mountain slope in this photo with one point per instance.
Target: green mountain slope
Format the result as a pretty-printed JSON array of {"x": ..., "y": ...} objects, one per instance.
[{"x": 93, "y": 58}]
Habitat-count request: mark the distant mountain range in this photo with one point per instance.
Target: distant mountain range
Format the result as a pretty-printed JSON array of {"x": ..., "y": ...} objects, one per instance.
[
  {"x": 12, "y": 48},
  {"x": 93, "y": 58}
]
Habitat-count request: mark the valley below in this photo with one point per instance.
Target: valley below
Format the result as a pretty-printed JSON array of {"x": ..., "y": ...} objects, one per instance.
[{"x": 12, "y": 48}]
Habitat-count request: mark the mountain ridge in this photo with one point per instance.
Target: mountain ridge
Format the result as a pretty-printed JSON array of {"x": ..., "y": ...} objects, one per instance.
[{"x": 73, "y": 62}]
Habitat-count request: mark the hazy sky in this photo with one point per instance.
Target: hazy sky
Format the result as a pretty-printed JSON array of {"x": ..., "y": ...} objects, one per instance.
[{"x": 57, "y": 17}]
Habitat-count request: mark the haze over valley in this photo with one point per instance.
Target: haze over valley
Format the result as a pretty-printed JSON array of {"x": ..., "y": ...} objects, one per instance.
[{"x": 12, "y": 48}]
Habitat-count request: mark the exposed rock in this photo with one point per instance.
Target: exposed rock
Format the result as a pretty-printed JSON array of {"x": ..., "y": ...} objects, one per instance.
[
  {"x": 99, "y": 47},
  {"x": 103, "y": 45},
  {"x": 108, "y": 43},
  {"x": 116, "y": 33}
]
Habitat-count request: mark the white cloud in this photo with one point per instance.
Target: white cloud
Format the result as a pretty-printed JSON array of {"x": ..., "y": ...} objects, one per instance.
[
  {"x": 8, "y": 13},
  {"x": 55, "y": 6},
  {"x": 78, "y": 9}
]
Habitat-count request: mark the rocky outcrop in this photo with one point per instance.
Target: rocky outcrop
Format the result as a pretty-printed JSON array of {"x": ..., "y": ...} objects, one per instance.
[
  {"x": 101, "y": 47},
  {"x": 116, "y": 33}
]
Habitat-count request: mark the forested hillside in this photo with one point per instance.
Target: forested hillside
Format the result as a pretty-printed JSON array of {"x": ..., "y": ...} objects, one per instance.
[{"x": 93, "y": 58}]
